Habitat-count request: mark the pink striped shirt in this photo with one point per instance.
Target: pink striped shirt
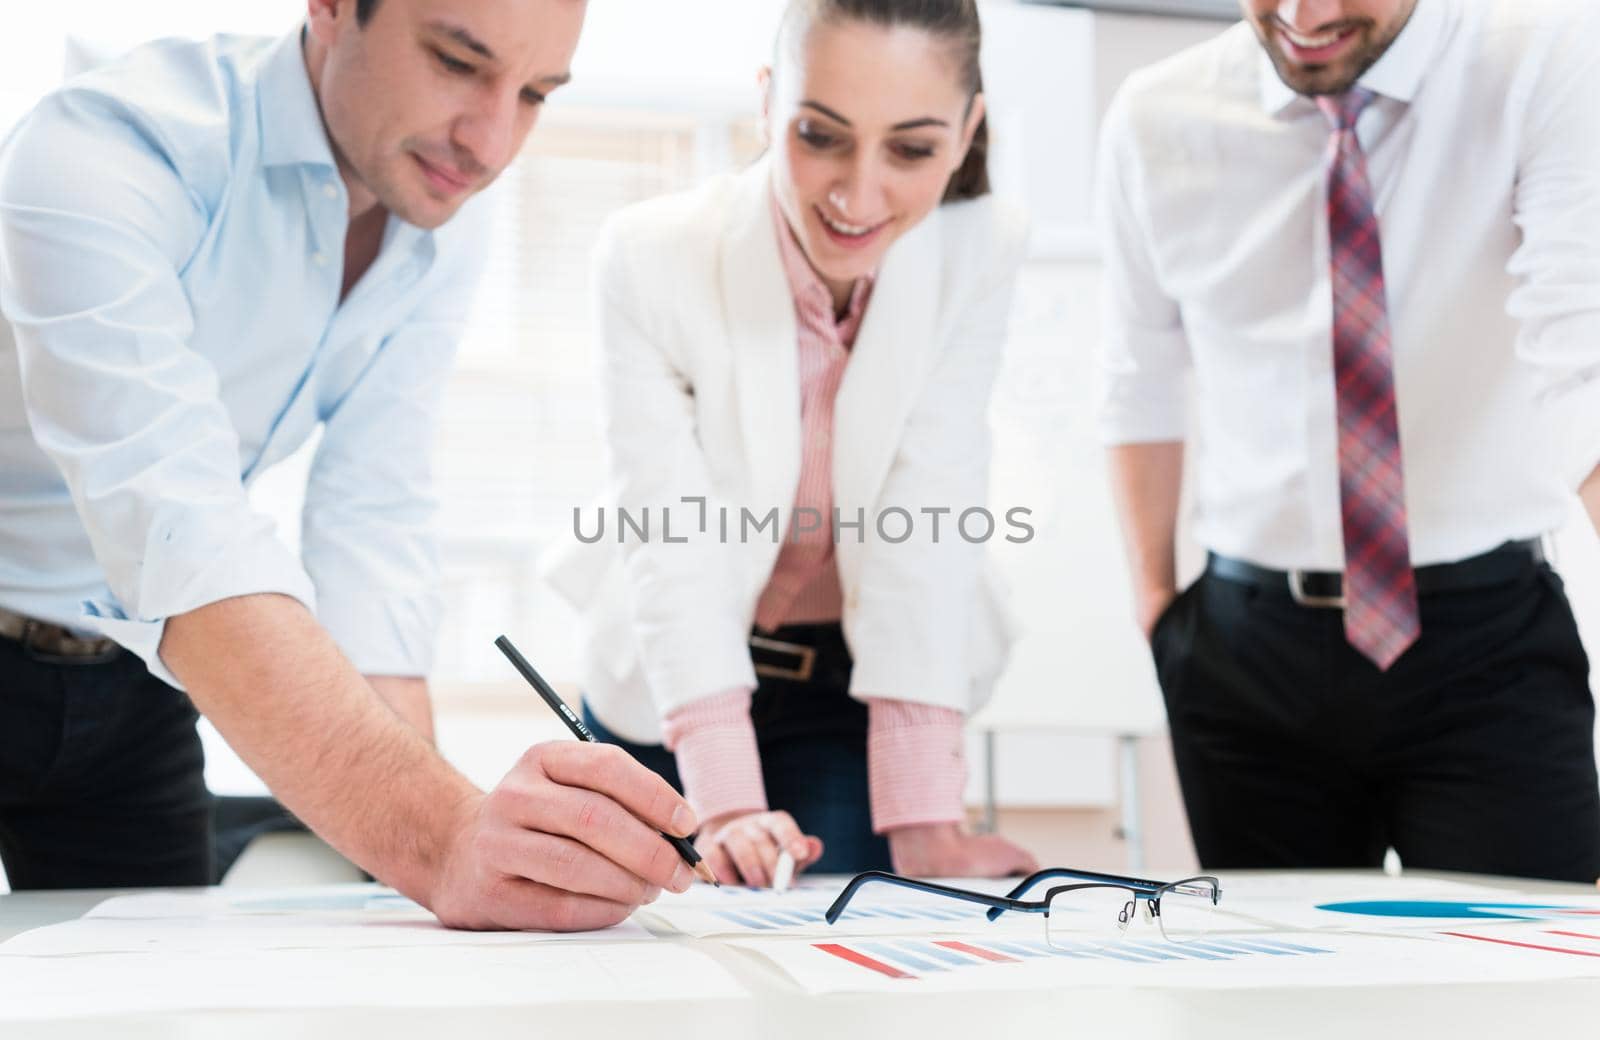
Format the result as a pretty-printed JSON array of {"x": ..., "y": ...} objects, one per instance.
[
  {"x": 804, "y": 586},
  {"x": 916, "y": 762}
]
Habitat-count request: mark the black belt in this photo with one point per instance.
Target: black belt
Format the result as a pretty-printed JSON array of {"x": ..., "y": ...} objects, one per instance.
[
  {"x": 780, "y": 659},
  {"x": 794, "y": 652},
  {"x": 1326, "y": 588}
]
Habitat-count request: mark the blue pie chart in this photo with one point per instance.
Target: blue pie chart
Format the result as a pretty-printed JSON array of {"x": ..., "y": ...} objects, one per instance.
[{"x": 1456, "y": 910}]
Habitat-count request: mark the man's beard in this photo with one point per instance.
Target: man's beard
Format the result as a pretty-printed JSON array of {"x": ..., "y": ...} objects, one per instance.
[{"x": 1313, "y": 80}]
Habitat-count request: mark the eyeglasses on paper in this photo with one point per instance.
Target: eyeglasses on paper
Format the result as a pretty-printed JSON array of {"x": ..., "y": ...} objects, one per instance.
[{"x": 1092, "y": 908}]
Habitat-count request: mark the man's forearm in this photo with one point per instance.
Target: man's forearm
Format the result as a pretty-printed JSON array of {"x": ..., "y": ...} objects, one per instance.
[
  {"x": 1589, "y": 492},
  {"x": 1146, "y": 482},
  {"x": 284, "y": 697},
  {"x": 408, "y": 697}
]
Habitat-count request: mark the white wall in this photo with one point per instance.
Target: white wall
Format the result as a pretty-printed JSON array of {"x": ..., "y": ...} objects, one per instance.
[{"x": 1080, "y": 671}]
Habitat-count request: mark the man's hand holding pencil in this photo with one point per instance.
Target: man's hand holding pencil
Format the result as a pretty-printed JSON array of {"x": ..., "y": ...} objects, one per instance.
[
  {"x": 576, "y": 837},
  {"x": 570, "y": 840}
]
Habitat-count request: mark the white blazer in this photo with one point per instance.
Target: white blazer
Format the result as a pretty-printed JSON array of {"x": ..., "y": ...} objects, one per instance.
[{"x": 701, "y": 398}]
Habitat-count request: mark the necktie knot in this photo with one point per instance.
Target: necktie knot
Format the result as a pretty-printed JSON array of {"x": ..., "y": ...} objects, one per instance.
[{"x": 1344, "y": 109}]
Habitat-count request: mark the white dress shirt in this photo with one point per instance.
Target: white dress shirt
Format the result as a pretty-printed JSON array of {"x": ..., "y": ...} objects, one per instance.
[
  {"x": 171, "y": 248},
  {"x": 1484, "y": 152}
]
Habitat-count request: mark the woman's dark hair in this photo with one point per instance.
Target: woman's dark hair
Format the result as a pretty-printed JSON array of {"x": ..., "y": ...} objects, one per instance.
[
  {"x": 364, "y": 9},
  {"x": 954, "y": 20}
]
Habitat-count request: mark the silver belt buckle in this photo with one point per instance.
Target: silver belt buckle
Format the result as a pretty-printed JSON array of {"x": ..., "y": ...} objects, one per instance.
[
  {"x": 800, "y": 673},
  {"x": 1297, "y": 589}
]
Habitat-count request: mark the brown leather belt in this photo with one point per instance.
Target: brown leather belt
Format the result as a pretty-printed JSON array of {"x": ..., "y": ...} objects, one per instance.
[{"x": 45, "y": 640}]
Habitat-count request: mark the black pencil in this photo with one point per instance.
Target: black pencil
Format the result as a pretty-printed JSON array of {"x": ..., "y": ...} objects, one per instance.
[{"x": 685, "y": 848}]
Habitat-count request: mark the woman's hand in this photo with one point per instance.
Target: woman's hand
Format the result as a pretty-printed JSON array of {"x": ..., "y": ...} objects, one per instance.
[
  {"x": 743, "y": 847},
  {"x": 945, "y": 850}
]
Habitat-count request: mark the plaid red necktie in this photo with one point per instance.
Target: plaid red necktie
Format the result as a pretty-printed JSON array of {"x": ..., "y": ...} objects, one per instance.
[{"x": 1381, "y": 617}]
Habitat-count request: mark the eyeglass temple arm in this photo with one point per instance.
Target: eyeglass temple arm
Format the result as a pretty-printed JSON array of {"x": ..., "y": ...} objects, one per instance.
[
  {"x": 1211, "y": 887},
  {"x": 1027, "y": 883},
  {"x": 998, "y": 903}
]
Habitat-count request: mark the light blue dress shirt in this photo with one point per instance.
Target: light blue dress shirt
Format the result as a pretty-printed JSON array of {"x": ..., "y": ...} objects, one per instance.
[{"x": 171, "y": 242}]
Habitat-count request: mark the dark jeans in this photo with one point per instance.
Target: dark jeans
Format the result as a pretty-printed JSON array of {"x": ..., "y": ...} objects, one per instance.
[
  {"x": 1474, "y": 752},
  {"x": 101, "y": 776},
  {"x": 813, "y": 741}
]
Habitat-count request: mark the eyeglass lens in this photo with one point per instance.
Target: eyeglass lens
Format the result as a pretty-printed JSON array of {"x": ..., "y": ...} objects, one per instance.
[
  {"x": 1188, "y": 910},
  {"x": 1092, "y": 915}
]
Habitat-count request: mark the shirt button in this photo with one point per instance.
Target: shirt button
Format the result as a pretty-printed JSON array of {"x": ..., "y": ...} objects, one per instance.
[
  {"x": 330, "y": 191},
  {"x": 320, "y": 259}
]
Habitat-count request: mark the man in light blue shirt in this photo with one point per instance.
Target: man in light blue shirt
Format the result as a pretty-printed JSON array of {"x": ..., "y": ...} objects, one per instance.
[{"x": 207, "y": 252}]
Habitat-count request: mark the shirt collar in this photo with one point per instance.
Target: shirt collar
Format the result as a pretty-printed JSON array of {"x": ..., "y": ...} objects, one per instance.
[
  {"x": 1396, "y": 75},
  {"x": 292, "y": 132},
  {"x": 806, "y": 285}
]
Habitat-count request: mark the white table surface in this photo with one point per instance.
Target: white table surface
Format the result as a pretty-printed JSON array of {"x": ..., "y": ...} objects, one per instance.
[{"x": 1523, "y": 1011}]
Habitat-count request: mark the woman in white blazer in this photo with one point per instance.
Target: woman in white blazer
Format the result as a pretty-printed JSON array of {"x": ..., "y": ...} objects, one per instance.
[{"x": 783, "y": 598}]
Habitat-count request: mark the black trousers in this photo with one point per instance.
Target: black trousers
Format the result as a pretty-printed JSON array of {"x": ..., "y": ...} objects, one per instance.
[
  {"x": 101, "y": 776},
  {"x": 1475, "y": 751}
]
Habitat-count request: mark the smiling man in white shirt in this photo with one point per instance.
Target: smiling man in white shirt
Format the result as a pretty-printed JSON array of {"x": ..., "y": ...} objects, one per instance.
[
  {"x": 208, "y": 251},
  {"x": 1353, "y": 255}
]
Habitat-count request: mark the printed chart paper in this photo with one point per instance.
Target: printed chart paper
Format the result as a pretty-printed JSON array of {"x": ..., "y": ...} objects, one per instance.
[
  {"x": 826, "y": 887},
  {"x": 875, "y": 909},
  {"x": 968, "y": 964},
  {"x": 797, "y": 914},
  {"x": 881, "y": 909},
  {"x": 1549, "y": 941},
  {"x": 1419, "y": 911},
  {"x": 1302, "y": 900}
]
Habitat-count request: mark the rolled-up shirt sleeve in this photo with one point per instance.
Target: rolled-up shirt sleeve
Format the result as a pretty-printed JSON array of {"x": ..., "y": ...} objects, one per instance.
[
  {"x": 916, "y": 764},
  {"x": 714, "y": 741},
  {"x": 1557, "y": 209},
  {"x": 90, "y": 262},
  {"x": 1144, "y": 353},
  {"x": 366, "y": 532}
]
